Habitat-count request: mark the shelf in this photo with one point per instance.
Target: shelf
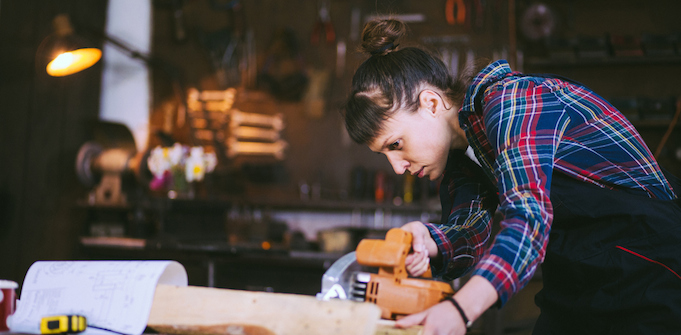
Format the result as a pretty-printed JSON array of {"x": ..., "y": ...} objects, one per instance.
[
  {"x": 335, "y": 205},
  {"x": 267, "y": 202},
  {"x": 604, "y": 61},
  {"x": 653, "y": 123}
]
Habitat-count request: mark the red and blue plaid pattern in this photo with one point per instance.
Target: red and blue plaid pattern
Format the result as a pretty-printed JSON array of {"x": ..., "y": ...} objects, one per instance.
[{"x": 528, "y": 127}]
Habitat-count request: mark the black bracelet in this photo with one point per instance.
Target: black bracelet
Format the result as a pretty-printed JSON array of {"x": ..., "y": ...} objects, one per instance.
[{"x": 467, "y": 322}]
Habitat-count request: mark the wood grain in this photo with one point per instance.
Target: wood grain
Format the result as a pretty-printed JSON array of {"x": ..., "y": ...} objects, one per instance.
[
  {"x": 212, "y": 311},
  {"x": 387, "y": 327},
  {"x": 222, "y": 329}
]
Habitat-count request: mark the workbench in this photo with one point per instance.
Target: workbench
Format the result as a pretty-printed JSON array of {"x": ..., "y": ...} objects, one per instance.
[{"x": 221, "y": 264}]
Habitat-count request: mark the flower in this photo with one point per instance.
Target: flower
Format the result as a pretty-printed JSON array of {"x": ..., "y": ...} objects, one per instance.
[
  {"x": 176, "y": 153},
  {"x": 167, "y": 163},
  {"x": 195, "y": 167},
  {"x": 158, "y": 162}
]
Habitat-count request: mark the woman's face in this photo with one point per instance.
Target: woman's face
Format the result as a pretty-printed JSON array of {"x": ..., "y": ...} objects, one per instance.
[{"x": 418, "y": 143}]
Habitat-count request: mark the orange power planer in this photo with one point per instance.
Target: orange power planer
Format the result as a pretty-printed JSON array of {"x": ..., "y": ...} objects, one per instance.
[{"x": 390, "y": 288}]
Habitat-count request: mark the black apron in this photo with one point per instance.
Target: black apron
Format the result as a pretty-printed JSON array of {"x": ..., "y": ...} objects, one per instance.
[{"x": 613, "y": 262}]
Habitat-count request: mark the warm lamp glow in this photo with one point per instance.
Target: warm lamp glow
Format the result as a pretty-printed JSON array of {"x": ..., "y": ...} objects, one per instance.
[{"x": 74, "y": 61}]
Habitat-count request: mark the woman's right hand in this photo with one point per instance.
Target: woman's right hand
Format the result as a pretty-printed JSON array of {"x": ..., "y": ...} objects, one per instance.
[{"x": 423, "y": 247}]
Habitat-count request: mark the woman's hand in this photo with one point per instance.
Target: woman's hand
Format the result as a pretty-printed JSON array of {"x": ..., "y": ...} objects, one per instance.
[
  {"x": 441, "y": 319},
  {"x": 424, "y": 247},
  {"x": 475, "y": 297}
]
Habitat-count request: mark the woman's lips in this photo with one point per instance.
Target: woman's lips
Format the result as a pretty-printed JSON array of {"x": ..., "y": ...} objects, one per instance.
[{"x": 420, "y": 173}]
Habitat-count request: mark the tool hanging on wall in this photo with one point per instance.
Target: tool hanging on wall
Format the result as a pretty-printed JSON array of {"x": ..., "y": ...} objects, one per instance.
[
  {"x": 670, "y": 129},
  {"x": 236, "y": 133},
  {"x": 238, "y": 118},
  {"x": 324, "y": 25},
  {"x": 538, "y": 22},
  {"x": 209, "y": 112},
  {"x": 253, "y": 134},
  {"x": 238, "y": 148},
  {"x": 284, "y": 71},
  {"x": 465, "y": 13},
  {"x": 455, "y": 12}
]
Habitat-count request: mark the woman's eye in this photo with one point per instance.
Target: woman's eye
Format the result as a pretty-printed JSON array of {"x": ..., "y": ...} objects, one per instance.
[{"x": 394, "y": 146}]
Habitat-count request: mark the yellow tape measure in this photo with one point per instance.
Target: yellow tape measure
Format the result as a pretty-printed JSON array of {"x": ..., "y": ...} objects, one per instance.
[{"x": 63, "y": 324}]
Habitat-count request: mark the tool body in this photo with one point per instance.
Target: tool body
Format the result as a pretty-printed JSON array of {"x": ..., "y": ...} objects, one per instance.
[
  {"x": 63, "y": 324},
  {"x": 68, "y": 324},
  {"x": 391, "y": 288}
]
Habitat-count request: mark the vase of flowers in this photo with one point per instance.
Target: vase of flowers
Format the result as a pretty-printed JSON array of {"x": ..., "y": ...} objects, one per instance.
[{"x": 176, "y": 169}]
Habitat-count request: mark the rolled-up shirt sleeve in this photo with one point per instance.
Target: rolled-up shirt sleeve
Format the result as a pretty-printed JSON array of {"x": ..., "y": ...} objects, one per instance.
[
  {"x": 524, "y": 123},
  {"x": 462, "y": 239}
]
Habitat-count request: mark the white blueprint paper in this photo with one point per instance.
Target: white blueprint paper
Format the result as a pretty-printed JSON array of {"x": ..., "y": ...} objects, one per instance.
[{"x": 115, "y": 295}]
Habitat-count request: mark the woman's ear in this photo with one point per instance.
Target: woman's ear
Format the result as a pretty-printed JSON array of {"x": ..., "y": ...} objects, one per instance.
[{"x": 430, "y": 101}]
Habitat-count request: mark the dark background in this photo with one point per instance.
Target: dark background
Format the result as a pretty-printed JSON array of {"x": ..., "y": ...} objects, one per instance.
[{"x": 45, "y": 120}]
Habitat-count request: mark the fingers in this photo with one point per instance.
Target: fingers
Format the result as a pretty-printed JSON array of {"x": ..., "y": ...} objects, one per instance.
[
  {"x": 417, "y": 263},
  {"x": 436, "y": 320},
  {"x": 421, "y": 239},
  {"x": 418, "y": 232},
  {"x": 411, "y": 320},
  {"x": 440, "y": 320}
]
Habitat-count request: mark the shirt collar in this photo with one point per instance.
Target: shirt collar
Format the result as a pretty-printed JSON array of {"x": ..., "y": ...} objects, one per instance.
[{"x": 490, "y": 73}]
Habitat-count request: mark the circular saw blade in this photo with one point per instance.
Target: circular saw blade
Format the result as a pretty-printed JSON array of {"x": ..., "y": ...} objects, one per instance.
[{"x": 337, "y": 280}]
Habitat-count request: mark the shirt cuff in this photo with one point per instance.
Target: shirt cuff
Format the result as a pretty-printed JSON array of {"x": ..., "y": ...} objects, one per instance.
[
  {"x": 444, "y": 246},
  {"x": 500, "y": 274}
]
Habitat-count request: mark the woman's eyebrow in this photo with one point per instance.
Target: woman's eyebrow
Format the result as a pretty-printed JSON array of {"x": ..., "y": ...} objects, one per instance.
[{"x": 385, "y": 143}]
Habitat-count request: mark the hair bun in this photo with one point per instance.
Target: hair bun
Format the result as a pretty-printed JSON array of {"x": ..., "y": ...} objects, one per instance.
[{"x": 379, "y": 36}]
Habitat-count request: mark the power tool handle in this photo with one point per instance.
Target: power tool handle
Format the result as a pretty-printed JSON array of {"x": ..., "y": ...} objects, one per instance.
[{"x": 428, "y": 273}]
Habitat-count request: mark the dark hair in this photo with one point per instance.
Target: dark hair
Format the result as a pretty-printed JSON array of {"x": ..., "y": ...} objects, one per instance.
[{"x": 389, "y": 80}]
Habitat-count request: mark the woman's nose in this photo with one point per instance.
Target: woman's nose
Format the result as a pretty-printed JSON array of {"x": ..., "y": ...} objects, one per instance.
[{"x": 399, "y": 165}]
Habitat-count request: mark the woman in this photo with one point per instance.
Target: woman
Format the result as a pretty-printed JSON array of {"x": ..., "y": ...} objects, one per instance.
[{"x": 577, "y": 188}]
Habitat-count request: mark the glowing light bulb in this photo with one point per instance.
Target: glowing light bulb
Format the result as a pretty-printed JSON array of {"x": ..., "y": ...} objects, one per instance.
[
  {"x": 63, "y": 61},
  {"x": 74, "y": 61}
]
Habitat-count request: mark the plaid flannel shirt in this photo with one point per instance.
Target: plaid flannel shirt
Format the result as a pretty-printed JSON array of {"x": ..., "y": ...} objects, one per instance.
[{"x": 523, "y": 129}]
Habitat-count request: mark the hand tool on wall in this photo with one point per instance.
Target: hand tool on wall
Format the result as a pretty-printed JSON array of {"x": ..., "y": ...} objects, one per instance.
[
  {"x": 238, "y": 148},
  {"x": 538, "y": 22},
  {"x": 465, "y": 13},
  {"x": 323, "y": 24},
  {"x": 455, "y": 12},
  {"x": 238, "y": 118},
  {"x": 390, "y": 289},
  {"x": 670, "y": 129},
  {"x": 211, "y": 100},
  {"x": 255, "y": 134},
  {"x": 209, "y": 112}
]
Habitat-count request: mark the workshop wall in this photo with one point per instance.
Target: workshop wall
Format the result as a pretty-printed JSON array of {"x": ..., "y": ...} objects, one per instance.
[
  {"x": 319, "y": 152},
  {"x": 627, "y": 51}
]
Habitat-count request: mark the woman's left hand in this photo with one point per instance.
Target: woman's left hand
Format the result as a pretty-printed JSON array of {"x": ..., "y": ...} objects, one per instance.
[{"x": 441, "y": 319}]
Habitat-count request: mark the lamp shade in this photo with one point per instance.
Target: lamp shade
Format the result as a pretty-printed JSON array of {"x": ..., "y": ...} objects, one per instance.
[{"x": 65, "y": 52}]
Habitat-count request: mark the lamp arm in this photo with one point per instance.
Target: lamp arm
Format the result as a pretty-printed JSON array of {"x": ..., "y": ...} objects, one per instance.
[{"x": 130, "y": 51}]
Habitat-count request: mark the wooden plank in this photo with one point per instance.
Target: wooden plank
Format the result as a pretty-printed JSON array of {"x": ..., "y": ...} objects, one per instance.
[
  {"x": 114, "y": 242},
  {"x": 387, "y": 327},
  {"x": 207, "y": 311}
]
